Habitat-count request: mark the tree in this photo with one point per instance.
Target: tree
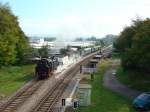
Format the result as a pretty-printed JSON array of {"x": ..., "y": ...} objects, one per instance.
[
  {"x": 100, "y": 42},
  {"x": 109, "y": 39},
  {"x": 43, "y": 52},
  {"x": 93, "y": 38},
  {"x": 64, "y": 51},
  {"x": 50, "y": 39},
  {"x": 79, "y": 39},
  {"x": 134, "y": 46},
  {"x": 13, "y": 42}
]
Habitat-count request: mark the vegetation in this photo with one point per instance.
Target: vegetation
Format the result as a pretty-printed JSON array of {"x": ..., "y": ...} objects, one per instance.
[
  {"x": 100, "y": 42},
  {"x": 141, "y": 82},
  {"x": 103, "y": 100},
  {"x": 105, "y": 41},
  {"x": 50, "y": 39},
  {"x": 12, "y": 78},
  {"x": 14, "y": 50},
  {"x": 64, "y": 51},
  {"x": 79, "y": 39},
  {"x": 13, "y": 42},
  {"x": 43, "y": 52},
  {"x": 134, "y": 45},
  {"x": 109, "y": 39},
  {"x": 92, "y": 38}
]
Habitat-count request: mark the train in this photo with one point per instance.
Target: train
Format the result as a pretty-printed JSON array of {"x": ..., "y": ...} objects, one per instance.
[
  {"x": 45, "y": 67},
  {"x": 91, "y": 50}
]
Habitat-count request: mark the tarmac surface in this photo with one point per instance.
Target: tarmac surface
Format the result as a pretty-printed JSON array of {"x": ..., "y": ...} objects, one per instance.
[{"x": 111, "y": 82}]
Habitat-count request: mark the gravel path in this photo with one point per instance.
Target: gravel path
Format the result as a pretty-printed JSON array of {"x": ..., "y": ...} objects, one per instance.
[{"x": 111, "y": 82}]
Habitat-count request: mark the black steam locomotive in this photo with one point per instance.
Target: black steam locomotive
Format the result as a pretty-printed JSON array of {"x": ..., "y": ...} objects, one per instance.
[{"x": 46, "y": 67}]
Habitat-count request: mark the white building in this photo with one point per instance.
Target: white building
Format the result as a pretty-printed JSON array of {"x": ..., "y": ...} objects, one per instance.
[
  {"x": 55, "y": 46},
  {"x": 38, "y": 43}
]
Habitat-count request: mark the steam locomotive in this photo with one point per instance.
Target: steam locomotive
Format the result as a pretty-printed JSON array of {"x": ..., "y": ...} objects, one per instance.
[{"x": 46, "y": 67}]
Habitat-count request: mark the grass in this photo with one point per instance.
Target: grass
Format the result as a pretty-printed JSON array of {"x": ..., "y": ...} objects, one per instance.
[
  {"x": 135, "y": 80},
  {"x": 103, "y": 100},
  {"x": 12, "y": 78}
]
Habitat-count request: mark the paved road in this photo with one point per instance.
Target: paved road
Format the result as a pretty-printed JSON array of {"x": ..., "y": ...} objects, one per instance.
[{"x": 111, "y": 82}]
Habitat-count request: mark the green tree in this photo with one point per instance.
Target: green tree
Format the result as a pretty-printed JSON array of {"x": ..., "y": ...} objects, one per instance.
[
  {"x": 100, "y": 42},
  {"x": 64, "y": 51},
  {"x": 13, "y": 42},
  {"x": 50, "y": 39},
  {"x": 92, "y": 38},
  {"x": 43, "y": 52},
  {"x": 79, "y": 39},
  {"x": 134, "y": 46}
]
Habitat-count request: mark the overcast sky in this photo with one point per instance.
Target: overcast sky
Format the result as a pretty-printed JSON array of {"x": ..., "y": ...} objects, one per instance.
[{"x": 74, "y": 18}]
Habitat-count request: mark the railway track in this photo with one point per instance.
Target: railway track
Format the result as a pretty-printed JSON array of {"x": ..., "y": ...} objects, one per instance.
[
  {"x": 48, "y": 102},
  {"x": 13, "y": 103}
]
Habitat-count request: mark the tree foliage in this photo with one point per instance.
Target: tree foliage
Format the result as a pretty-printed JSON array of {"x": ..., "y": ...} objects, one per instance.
[
  {"x": 64, "y": 51},
  {"x": 134, "y": 45},
  {"x": 109, "y": 39},
  {"x": 92, "y": 38},
  {"x": 13, "y": 42},
  {"x": 100, "y": 42},
  {"x": 43, "y": 52},
  {"x": 78, "y": 39},
  {"x": 50, "y": 39}
]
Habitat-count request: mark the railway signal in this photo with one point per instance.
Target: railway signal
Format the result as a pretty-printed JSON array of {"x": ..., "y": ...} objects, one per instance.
[
  {"x": 75, "y": 104},
  {"x": 63, "y": 102}
]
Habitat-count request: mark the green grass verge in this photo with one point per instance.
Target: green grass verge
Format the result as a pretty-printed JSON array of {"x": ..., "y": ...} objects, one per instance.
[
  {"x": 103, "y": 100},
  {"x": 135, "y": 80},
  {"x": 12, "y": 78}
]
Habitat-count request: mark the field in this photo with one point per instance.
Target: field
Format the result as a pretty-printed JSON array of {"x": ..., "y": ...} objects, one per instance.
[
  {"x": 103, "y": 100},
  {"x": 135, "y": 80},
  {"x": 12, "y": 78}
]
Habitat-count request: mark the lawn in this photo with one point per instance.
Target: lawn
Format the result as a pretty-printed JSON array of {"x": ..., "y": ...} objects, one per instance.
[
  {"x": 12, "y": 78},
  {"x": 135, "y": 80},
  {"x": 103, "y": 100}
]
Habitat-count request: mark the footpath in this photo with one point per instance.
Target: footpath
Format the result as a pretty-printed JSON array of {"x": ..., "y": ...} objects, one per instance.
[{"x": 111, "y": 82}]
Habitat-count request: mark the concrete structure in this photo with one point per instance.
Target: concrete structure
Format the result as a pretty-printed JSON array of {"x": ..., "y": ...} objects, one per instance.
[{"x": 84, "y": 94}]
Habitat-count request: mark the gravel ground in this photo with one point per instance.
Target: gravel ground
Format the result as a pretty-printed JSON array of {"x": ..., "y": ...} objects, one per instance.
[{"x": 35, "y": 98}]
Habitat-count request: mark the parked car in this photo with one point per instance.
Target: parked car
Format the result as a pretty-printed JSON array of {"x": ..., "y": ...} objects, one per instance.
[{"x": 142, "y": 102}]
